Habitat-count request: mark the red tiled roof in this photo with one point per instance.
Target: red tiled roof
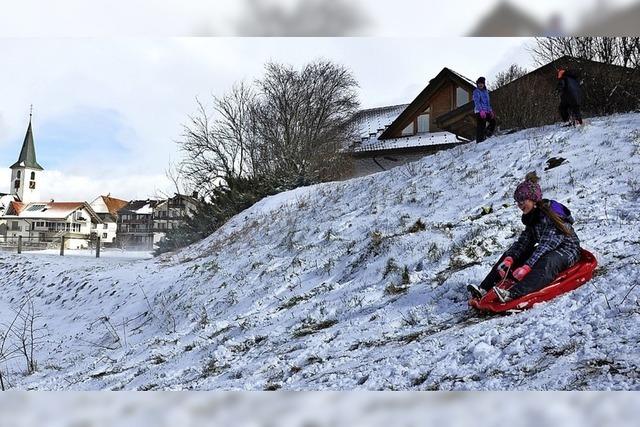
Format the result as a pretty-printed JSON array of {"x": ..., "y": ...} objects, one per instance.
[
  {"x": 15, "y": 207},
  {"x": 114, "y": 205}
]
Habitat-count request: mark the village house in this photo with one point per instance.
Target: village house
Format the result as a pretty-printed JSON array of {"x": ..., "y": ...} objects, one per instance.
[
  {"x": 42, "y": 224},
  {"x": 170, "y": 213},
  {"x": 107, "y": 207},
  {"x": 395, "y": 135},
  {"x": 135, "y": 225}
]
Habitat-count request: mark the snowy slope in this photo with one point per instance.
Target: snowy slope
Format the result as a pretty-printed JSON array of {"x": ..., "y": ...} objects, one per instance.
[{"x": 305, "y": 290}]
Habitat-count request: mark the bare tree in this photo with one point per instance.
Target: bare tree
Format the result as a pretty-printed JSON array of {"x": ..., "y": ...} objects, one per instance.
[
  {"x": 303, "y": 119},
  {"x": 623, "y": 51},
  {"x": 291, "y": 129},
  {"x": 220, "y": 148},
  {"x": 27, "y": 334},
  {"x": 510, "y": 74},
  {"x": 20, "y": 337}
]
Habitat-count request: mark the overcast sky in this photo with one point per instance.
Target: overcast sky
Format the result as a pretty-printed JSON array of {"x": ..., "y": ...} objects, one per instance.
[{"x": 107, "y": 111}]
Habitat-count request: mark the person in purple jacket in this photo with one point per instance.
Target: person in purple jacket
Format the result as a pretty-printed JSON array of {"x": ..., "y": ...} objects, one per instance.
[
  {"x": 547, "y": 246},
  {"x": 484, "y": 112}
]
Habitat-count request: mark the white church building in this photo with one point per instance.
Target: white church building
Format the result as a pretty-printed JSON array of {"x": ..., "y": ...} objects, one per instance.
[{"x": 22, "y": 213}]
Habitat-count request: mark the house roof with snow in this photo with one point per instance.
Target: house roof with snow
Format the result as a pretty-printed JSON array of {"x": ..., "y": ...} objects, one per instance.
[
  {"x": 445, "y": 77},
  {"x": 5, "y": 200},
  {"x": 50, "y": 210},
  {"x": 108, "y": 205},
  {"x": 380, "y": 129},
  {"x": 175, "y": 198},
  {"x": 139, "y": 207}
]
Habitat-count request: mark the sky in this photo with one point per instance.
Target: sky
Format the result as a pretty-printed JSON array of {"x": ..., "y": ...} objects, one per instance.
[{"x": 107, "y": 112}]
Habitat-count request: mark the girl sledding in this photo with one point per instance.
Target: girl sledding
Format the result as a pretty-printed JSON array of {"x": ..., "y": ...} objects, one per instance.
[{"x": 547, "y": 249}]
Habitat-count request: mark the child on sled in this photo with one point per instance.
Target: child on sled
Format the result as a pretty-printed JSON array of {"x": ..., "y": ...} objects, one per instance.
[{"x": 547, "y": 246}]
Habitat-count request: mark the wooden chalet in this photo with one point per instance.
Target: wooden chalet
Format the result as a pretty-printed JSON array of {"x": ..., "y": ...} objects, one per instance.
[{"x": 395, "y": 135}]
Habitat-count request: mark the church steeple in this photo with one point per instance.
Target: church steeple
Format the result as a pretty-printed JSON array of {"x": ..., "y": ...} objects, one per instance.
[
  {"x": 24, "y": 172},
  {"x": 27, "y": 157}
]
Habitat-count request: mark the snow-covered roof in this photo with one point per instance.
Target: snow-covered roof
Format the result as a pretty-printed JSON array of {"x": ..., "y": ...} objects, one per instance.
[
  {"x": 419, "y": 140},
  {"x": 5, "y": 199},
  {"x": 47, "y": 210},
  {"x": 373, "y": 120},
  {"x": 146, "y": 209}
]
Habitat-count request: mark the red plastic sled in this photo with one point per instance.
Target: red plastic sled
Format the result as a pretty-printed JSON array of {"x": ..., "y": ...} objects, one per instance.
[{"x": 570, "y": 279}]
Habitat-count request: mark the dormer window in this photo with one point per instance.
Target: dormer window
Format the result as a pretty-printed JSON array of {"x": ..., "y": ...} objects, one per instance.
[
  {"x": 423, "y": 121},
  {"x": 462, "y": 97}
]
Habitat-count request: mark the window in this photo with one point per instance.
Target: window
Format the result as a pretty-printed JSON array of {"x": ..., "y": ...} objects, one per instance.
[
  {"x": 14, "y": 226},
  {"x": 104, "y": 235},
  {"x": 408, "y": 130},
  {"x": 19, "y": 174},
  {"x": 105, "y": 226},
  {"x": 36, "y": 207},
  {"x": 32, "y": 185},
  {"x": 423, "y": 123},
  {"x": 33, "y": 175},
  {"x": 17, "y": 184},
  {"x": 462, "y": 96}
]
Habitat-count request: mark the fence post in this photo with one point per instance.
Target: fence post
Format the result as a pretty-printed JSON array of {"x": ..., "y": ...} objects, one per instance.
[
  {"x": 98, "y": 247},
  {"x": 62, "y": 246},
  {"x": 19, "y": 244}
]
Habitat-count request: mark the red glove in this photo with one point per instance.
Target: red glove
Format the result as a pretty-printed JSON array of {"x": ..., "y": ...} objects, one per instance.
[
  {"x": 504, "y": 266},
  {"x": 521, "y": 272},
  {"x": 483, "y": 114}
]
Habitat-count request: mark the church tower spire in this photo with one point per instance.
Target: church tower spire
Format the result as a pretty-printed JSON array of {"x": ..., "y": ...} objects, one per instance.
[{"x": 24, "y": 172}]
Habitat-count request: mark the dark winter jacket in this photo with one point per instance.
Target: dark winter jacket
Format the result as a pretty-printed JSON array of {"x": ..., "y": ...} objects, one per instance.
[
  {"x": 542, "y": 236},
  {"x": 569, "y": 89},
  {"x": 481, "y": 100}
]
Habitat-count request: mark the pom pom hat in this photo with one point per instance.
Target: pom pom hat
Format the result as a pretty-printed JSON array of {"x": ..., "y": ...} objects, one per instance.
[{"x": 529, "y": 189}]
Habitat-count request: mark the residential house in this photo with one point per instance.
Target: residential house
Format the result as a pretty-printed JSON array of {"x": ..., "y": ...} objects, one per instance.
[
  {"x": 170, "y": 213},
  {"x": 107, "y": 207},
  {"x": 135, "y": 225},
  {"x": 46, "y": 223},
  {"x": 395, "y": 135}
]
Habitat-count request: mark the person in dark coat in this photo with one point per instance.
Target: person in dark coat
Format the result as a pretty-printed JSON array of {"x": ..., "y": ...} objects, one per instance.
[
  {"x": 483, "y": 111},
  {"x": 570, "y": 96},
  {"x": 547, "y": 246}
]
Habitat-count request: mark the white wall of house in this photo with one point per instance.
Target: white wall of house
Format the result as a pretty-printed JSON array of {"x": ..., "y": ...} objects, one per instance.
[{"x": 106, "y": 231}]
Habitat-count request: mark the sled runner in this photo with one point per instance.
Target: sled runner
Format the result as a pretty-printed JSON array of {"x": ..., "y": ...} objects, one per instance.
[{"x": 570, "y": 279}]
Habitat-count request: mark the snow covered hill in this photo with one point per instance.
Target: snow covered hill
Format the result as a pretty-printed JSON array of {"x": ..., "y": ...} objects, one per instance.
[{"x": 359, "y": 285}]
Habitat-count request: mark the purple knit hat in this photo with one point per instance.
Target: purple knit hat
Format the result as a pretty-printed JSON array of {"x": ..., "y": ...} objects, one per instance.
[{"x": 528, "y": 189}]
